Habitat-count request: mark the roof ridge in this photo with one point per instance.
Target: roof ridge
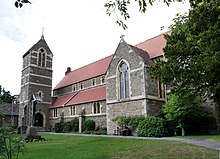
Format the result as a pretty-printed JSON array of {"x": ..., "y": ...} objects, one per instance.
[
  {"x": 152, "y": 38},
  {"x": 91, "y": 63}
]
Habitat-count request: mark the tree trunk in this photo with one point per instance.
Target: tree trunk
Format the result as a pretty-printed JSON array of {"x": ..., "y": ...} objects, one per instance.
[
  {"x": 183, "y": 131},
  {"x": 217, "y": 111}
]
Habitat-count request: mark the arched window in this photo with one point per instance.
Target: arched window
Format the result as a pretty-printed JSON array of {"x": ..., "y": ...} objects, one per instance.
[
  {"x": 41, "y": 57},
  {"x": 124, "y": 80}
]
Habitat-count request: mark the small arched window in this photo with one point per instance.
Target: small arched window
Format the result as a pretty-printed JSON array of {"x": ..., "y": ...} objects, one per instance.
[
  {"x": 96, "y": 108},
  {"x": 124, "y": 80},
  {"x": 41, "y": 57}
]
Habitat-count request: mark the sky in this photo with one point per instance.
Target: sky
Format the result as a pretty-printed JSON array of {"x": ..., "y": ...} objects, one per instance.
[{"x": 77, "y": 32}]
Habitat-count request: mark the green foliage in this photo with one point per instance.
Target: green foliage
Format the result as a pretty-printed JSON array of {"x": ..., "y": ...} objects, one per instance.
[
  {"x": 5, "y": 96},
  {"x": 10, "y": 145},
  {"x": 184, "y": 109},
  {"x": 131, "y": 121},
  {"x": 97, "y": 131},
  {"x": 120, "y": 8},
  {"x": 152, "y": 127},
  {"x": 192, "y": 52},
  {"x": 69, "y": 126},
  {"x": 58, "y": 128},
  {"x": 89, "y": 125}
]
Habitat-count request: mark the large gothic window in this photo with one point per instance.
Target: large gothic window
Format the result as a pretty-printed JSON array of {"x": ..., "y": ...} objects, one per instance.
[
  {"x": 124, "y": 81},
  {"x": 41, "y": 57}
]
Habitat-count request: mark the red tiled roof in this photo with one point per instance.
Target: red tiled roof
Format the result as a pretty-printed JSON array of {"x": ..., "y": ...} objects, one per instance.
[
  {"x": 154, "y": 46},
  {"x": 90, "y": 95},
  {"x": 89, "y": 71},
  {"x": 61, "y": 100}
]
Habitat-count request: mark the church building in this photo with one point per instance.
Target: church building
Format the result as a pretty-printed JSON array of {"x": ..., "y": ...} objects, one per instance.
[{"x": 117, "y": 85}]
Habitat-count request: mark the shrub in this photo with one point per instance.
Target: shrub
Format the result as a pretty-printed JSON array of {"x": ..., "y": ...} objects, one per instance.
[
  {"x": 131, "y": 121},
  {"x": 134, "y": 122},
  {"x": 71, "y": 126},
  {"x": 74, "y": 124},
  {"x": 89, "y": 125},
  {"x": 68, "y": 126},
  {"x": 10, "y": 145},
  {"x": 58, "y": 128},
  {"x": 151, "y": 127}
]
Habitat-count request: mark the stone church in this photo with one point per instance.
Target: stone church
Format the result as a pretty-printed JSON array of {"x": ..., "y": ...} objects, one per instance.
[{"x": 117, "y": 85}]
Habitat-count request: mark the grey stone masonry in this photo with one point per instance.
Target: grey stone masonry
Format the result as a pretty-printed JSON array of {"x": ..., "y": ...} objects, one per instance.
[
  {"x": 141, "y": 86},
  {"x": 99, "y": 118},
  {"x": 36, "y": 78}
]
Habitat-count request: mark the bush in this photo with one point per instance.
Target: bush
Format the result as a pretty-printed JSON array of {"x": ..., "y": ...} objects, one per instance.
[
  {"x": 100, "y": 132},
  {"x": 131, "y": 121},
  {"x": 71, "y": 126},
  {"x": 68, "y": 126},
  {"x": 58, "y": 128},
  {"x": 10, "y": 144},
  {"x": 89, "y": 125},
  {"x": 151, "y": 127},
  {"x": 75, "y": 124}
]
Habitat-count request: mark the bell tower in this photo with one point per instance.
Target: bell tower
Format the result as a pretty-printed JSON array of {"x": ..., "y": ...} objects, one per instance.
[{"x": 36, "y": 86}]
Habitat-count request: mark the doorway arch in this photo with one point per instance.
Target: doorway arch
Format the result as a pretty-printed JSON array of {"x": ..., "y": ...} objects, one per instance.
[{"x": 39, "y": 119}]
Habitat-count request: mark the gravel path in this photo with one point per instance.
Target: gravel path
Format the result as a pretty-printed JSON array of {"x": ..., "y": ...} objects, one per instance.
[{"x": 195, "y": 141}]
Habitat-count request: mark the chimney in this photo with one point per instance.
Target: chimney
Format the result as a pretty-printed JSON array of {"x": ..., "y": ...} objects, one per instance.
[{"x": 68, "y": 71}]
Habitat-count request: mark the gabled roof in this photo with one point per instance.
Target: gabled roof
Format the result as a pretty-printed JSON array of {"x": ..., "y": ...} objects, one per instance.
[
  {"x": 40, "y": 42},
  {"x": 145, "y": 56},
  {"x": 89, "y": 71},
  {"x": 148, "y": 49},
  {"x": 84, "y": 96},
  {"x": 61, "y": 100},
  {"x": 154, "y": 46},
  {"x": 90, "y": 95},
  {"x": 6, "y": 109}
]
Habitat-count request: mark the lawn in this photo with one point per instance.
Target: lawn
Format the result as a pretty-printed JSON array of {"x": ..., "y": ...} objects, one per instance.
[
  {"x": 79, "y": 147},
  {"x": 211, "y": 138}
]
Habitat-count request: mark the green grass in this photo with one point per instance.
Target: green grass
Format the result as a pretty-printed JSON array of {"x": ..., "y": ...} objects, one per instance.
[
  {"x": 211, "y": 138},
  {"x": 79, "y": 147}
]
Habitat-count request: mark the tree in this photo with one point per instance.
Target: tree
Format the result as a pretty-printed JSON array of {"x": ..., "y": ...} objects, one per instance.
[
  {"x": 192, "y": 53},
  {"x": 182, "y": 109},
  {"x": 5, "y": 96},
  {"x": 120, "y": 8},
  {"x": 19, "y": 3}
]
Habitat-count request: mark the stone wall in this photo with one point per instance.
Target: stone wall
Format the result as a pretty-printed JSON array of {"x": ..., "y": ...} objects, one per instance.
[
  {"x": 126, "y": 108},
  {"x": 136, "y": 103},
  {"x": 143, "y": 98},
  {"x": 99, "y": 118}
]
